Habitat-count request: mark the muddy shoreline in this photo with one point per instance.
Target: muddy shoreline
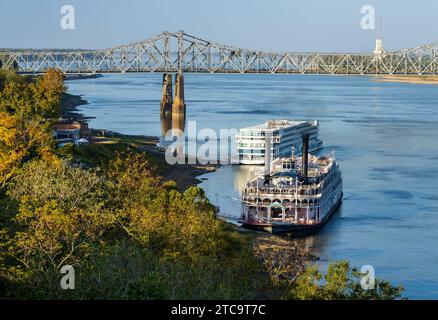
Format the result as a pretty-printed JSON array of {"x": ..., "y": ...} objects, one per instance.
[{"x": 69, "y": 107}]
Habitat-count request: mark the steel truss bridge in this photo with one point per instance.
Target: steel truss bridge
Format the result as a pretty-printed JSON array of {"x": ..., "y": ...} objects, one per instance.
[{"x": 173, "y": 52}]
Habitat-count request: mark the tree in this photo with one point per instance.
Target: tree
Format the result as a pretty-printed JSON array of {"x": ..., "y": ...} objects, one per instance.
[
  {"x": 153, "y": 242},
  {"x": 12, "y": 148},
  {"x": 28, "y": 111},
  {"x": 7, "y": 76},
  {"x": 341, "y": 282},
  {"x": 176, "y": 225},
  {"x": 40, "y": 182},
  {"x": 132, "y": 180},
  {"x": 48, "y": 91},
  {"x": 49, "y": 237},
  {"x": 60, "y": 214},
  {"x": 34, "y": 101}
]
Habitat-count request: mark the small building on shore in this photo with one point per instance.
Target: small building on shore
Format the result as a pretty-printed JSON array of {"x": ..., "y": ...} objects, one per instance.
[{"x": 67, "y": 131}]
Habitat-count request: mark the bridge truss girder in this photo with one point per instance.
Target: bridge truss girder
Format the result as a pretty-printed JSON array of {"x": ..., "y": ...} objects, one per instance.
[{"x": 171, "y": 52}]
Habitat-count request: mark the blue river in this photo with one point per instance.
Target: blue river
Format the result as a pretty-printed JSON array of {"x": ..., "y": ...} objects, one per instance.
[{"x": 384, "y": 135}]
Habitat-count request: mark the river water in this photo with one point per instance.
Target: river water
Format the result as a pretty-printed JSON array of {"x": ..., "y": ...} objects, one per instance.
[{"x": 384, "y": 135}]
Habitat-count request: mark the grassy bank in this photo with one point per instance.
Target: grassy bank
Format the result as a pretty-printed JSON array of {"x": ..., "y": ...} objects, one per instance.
[{"x": 103, "y": 150}]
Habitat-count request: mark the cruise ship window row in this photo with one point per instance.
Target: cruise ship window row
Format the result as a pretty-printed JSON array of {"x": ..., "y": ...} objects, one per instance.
[{"x": 321, "y": 201}]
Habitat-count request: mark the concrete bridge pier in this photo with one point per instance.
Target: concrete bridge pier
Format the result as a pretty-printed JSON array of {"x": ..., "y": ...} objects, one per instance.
[{"x": 179, "y": 105}]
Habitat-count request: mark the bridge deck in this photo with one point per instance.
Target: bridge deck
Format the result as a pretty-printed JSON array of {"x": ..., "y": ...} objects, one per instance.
[{"x": 170, "y": 52}]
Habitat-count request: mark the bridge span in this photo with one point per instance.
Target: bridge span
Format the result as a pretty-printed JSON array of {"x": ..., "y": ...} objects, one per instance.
[{"x": 171, "y": 52}]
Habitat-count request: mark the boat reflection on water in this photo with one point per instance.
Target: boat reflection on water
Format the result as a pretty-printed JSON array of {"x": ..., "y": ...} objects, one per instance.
[{"x": 244, "y": 174}]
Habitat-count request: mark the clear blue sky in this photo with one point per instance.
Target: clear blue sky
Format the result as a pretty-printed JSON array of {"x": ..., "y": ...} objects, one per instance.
[{"x": 285, "y": 25}]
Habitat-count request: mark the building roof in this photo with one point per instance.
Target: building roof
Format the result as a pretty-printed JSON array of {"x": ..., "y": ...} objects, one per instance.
[
  {"x": 67, "y": 127},
  {"x": 273, "y": 125}
]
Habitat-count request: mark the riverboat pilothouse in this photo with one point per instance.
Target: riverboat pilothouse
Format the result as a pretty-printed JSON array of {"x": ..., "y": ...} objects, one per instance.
[{"x": 296, "y": 195}]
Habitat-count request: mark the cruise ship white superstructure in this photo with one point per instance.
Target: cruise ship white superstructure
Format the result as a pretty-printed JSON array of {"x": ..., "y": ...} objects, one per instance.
[{"x": 285, "y": 140}]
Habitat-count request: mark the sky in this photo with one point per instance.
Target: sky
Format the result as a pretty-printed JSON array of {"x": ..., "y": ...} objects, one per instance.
[{"x": 274, "y": 25}]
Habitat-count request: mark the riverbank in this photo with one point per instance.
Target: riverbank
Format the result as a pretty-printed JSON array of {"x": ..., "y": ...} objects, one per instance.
[
  {"x": 70, "y": 102},
  {"x": 69, "y": 107},
  {"x": 426, "y": 79},
  {"x": 81, "y": 76},
  {"x": 185, "y": 175}
]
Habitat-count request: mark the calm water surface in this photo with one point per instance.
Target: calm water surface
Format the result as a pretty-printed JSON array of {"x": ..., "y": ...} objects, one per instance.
[{"x": 385, "y": 137}]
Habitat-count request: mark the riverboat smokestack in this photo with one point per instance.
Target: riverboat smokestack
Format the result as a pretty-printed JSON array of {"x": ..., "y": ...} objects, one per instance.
[
  {"x": 305, "y": 156},
  {"x": 166, "y": 99},
  {"x": 268, "y": 154}
]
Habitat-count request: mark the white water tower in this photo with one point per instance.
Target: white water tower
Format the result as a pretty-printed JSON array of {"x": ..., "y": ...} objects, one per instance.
[{"x": 379, "y": 47}]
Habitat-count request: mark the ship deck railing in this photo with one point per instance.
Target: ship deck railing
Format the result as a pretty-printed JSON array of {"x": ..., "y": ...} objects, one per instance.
[
  {"x": 288, "y": 220},
  {"x": 311, "y": 183},
  {"x": 287, "y": 189},
  {"x": 284, "y": 195}
]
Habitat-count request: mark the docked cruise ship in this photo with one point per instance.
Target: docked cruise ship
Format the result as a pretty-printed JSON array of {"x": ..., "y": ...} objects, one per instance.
[
  {"x": 285, "y": 140},
  {"x": 297, "y": 195}
]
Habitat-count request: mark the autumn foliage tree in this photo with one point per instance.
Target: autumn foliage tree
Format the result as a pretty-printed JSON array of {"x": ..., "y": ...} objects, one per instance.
[
  {"x": 341, "y": 282},
  {"x": 68, "y": 215},
  {"x": 28, "y": 111}
]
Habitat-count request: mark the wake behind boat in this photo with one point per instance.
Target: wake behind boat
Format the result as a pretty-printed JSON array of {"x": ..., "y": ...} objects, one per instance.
[{"x": 297, "y": 195}]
